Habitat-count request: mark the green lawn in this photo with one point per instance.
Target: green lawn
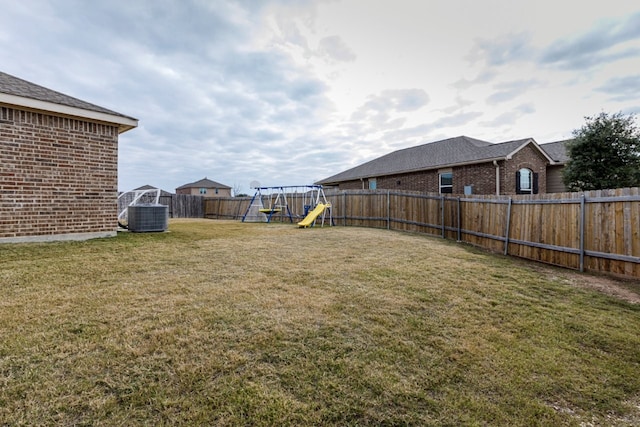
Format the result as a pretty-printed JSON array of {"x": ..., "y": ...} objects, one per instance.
[{"x": 225, "y": 323}]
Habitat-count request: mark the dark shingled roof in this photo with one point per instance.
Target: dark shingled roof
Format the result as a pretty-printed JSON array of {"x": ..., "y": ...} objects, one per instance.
[
  {"x": 151, "y": 187},
  {"x": 14, "y": 86},
  {"x": 557, "y": 150},
  {"x": 448, "y": 152},
  {"x": 203, "y": 183}
]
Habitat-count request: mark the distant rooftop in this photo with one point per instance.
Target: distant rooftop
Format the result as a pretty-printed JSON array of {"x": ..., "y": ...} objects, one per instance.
[{"x": 203, "y": 183}]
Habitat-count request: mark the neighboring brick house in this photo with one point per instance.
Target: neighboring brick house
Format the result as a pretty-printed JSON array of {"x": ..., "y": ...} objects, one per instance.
[
  {"x": 459, "y": 165},
  {"x": 58, "y": 164},
  {"x": 206, "y": 188}
]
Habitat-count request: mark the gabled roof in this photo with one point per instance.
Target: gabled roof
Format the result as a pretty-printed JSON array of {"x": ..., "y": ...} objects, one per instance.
[
  {"x": 203, "y": 183},
  {"x": 460, "y": 150},
  {"x": 557, "y": 150},
  {"x": 151, "y": 187},
  {"x": 18, "y": 92}
]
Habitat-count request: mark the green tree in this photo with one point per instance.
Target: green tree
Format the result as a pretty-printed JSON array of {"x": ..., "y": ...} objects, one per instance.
[{"x": 605, "y": 153}]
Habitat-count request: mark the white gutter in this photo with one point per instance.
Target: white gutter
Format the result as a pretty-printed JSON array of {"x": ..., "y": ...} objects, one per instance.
[{"x": 495, "y": 163}]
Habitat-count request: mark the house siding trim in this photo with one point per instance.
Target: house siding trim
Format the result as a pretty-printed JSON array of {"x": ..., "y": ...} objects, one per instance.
[
  {"x": 124, "y": 123},
  {"x": 531, "y": 141}
]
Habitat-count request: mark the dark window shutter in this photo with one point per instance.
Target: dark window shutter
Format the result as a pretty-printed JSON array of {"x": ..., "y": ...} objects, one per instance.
[
  {"x": 535, "y": 183},
  {"x": 518, "y": 191}
]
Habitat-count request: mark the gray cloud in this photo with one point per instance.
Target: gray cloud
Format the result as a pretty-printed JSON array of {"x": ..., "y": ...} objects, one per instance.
[
  {"x": 484, "y": 77},
  {"x": 334, "y": 48},
  {"x": 415, "y": 134},
  {"x": 595, "y": 46},
  {"x": 455, "y": 120},
  {"x": 527, "y": 108},
  {"x": 403, "y": 100},
  {"x": 207, "y": 105},
  {"x": 502, "y": 50},
  {"x": 509, "y": 118},
  {"x": 633, "y": 111},
  {"x": 622, "y": 88},
  {"x": 377, "y": 112},
  {"x": 510, "y": 90},
  {"x": 460, "y": 104}
]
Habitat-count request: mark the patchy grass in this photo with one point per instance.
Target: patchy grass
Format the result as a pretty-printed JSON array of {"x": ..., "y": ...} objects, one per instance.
[{"x": 224, "y": 323}]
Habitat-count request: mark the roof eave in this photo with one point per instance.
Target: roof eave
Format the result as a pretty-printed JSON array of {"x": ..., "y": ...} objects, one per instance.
[
  {"x": 124, "y": 123},
  {"x": 443, "y": 166},
  {"x": 527, "y": 142}
]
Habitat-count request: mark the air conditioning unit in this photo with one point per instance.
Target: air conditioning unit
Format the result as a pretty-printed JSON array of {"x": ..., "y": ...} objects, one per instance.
[{"x": 147, "y": 217}]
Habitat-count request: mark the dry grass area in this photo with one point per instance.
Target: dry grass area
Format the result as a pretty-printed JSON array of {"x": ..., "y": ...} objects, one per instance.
[{"x": 225, "y": 323}]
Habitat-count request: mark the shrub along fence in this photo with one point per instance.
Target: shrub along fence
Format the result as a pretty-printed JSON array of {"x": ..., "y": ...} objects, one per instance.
[{"x": 596, "y": 231}]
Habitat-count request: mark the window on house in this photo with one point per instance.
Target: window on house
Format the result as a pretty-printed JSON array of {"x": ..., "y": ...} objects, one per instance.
[
  {"x": 446, "y": 182},
  {"x": 216, "y": 191},
  {"x": 373, "y": 184},
  {"x": 526, "y": 182},
  {"x": 203, "y": 191}
]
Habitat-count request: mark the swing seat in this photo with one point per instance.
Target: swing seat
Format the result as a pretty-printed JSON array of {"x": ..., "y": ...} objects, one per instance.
[{"x": 268, "y": 211}]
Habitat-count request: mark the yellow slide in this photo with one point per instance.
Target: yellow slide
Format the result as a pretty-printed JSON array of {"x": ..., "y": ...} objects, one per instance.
[{"x": 311, "y": 216}]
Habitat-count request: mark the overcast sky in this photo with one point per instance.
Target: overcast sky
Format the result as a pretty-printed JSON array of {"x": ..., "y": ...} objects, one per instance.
[{"x": 287, "y": 92}]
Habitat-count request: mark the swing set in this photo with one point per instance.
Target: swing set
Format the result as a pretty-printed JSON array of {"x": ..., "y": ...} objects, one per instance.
[{"x": 275, "y": 202}]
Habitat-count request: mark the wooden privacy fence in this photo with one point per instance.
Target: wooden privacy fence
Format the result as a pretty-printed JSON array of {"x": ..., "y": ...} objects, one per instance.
[
  {"x": 180, "y": 205},
  {"x": 184, "y": 205},
  {"x": 596, "y": 231},
  {"x": 226, "y": 208}
]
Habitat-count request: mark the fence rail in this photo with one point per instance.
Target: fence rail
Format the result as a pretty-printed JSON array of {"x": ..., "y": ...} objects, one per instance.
[{"x": 596, "y": 231}]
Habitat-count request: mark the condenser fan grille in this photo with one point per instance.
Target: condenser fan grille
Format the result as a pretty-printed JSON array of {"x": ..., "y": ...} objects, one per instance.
[{"x": 145, "y": 218}]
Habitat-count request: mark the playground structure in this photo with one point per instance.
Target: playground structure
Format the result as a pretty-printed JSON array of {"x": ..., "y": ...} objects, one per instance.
[{"x": 286, "y": 203}]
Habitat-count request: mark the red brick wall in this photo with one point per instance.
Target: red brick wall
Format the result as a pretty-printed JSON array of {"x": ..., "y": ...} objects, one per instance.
[
  {"x": 424, "y": 181},
  {"x": 57, "y": 175},
  {"x": 481, "y": 177},
  {"x": 351, "y": 185},
  {"x": 530, "y": 158}
]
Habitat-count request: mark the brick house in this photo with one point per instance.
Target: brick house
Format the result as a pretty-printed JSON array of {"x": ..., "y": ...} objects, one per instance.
[
  {"x": 460, "y": 165},
  {"x": 206, "y": 188},
  {"x": 59, "y": 164}
]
